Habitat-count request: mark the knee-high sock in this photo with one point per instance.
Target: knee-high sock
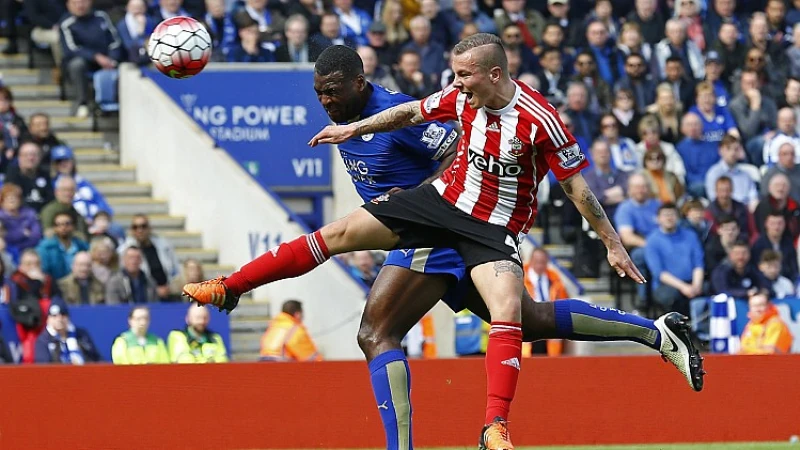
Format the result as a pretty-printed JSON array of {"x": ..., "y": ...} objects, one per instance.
[
  {"x": 503, "y": 358},
  {"x": 288, "y": 260},
  {"x": 391, "y": 383},
  {"x": 581, "y": 321}
]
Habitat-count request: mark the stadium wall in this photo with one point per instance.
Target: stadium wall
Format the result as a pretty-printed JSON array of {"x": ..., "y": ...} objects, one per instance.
[
  {"x": 560, "y": 401},
  {"x": 233, "y": 213}
]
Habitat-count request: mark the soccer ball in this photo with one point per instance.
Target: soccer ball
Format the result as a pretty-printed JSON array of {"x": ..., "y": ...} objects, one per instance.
[{"x": 180, "y": 47}]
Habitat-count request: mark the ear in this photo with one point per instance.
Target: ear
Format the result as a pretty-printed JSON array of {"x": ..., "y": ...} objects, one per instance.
[
  {"x": 495, "y": 74},
  {"x": 361, "y": 82}
]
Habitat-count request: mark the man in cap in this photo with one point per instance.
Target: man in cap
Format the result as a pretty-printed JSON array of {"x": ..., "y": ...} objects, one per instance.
[{"x": 61, "y": 342}]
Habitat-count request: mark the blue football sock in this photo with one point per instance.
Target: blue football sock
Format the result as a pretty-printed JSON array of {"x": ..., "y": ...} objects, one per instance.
[
  {"x": 391, "y": 383},
  {"x": 581, "y": 321}
]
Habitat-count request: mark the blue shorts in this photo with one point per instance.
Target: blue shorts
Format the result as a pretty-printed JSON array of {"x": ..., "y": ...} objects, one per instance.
[{"x": 435, "y": 261}]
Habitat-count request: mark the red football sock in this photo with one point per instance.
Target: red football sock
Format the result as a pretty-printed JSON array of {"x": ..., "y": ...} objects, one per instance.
[
  {"x": 503, "y": 357},
  {"x": 288, "y": 260}
]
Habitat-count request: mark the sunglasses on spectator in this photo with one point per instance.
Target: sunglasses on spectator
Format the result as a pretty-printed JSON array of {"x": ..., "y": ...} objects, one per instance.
[
  {"x": 609, "y": 125},
  {"x": 512, "y": 35},
  {"x": 585, "y": 63},
  {"x": 756, "y": 58},
  {"x": 139, "y": 226},
  {"x": 64, "y": 224}
]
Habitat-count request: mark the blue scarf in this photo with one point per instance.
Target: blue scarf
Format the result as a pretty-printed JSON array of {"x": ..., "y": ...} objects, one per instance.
[{"x": 70, "y": 350}]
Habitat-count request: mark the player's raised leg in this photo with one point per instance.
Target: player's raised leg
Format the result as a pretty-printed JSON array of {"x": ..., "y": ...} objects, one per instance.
[
  {"x": 358, "y": 231},
  {"x": 398, "y": 300}
]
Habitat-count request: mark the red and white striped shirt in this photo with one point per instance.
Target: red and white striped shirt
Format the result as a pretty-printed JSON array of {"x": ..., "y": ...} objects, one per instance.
[{"x": 503, "y": 155}]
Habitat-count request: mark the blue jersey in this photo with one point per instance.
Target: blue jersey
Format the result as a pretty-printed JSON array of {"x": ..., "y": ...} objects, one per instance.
[
  {"x": 716, "y": 128},
  {"x": 402, "y": 158}
]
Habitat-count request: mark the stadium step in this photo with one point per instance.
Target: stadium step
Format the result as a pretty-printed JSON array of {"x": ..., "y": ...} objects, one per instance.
[
  {"x": 252, "y": 324},
  {"x": 60, "y": 124},
  {"x": 159, "y": 222},
  {"x": 13, "y": 61},
  {"x": 108, "y": 172},
  {"x": 183, "y": 239},
  {"x": 124, "y": 188},
  {"x": 52, "y": 107},
  {"x": 594, "y": 285},
  {"x": 15, "y": 76},
  {"x": 211, "y": 270},
  {"x": 76, "y": 139},
  {"x": 201, "y": 254},
  {"x": 560, "y": 251},
  {"x": 95, "y": 156},
  {"x": 245, "y": 356},
  {"x": 35, "y": 91},
  {"x": 246, "y": 342},
  {"x": 138, "y": 205}
]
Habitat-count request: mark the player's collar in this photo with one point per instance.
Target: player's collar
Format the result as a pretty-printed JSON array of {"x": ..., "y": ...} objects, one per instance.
[{"x": 511, "y": 104}]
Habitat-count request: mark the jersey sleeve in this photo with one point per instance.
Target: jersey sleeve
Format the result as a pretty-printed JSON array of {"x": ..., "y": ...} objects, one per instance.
[
  {"x": 440, "y": 106},
  {"x": 559, "y": 147},
  {"x": 428, "y": 140}
]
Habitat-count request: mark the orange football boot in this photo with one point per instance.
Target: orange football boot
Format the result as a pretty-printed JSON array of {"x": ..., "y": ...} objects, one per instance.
[
  {"x": 495, "y": 436},
  {"x": 212, "y": 292}
]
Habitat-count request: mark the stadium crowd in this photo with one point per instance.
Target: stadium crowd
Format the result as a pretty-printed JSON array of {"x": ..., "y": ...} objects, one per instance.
[{"x": 687, "y": 109}]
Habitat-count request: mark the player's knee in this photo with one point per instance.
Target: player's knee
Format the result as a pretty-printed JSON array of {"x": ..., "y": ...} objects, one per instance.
[
  {"x": 368, "y": 339},
  {"x": 505, "y": 308}
]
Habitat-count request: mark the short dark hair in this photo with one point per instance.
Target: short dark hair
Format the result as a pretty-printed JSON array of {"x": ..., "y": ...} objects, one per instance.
[
  {"x": 666, "y": 206},
  {"x": 634, "y": 55},
  {"x": 547, "y": 50},
  {"x": 769, "y": 256},
  {"x": 495, "y": 58},
  {"x": 741, "y": 243},
  {"x": 339, "y": 59},
  {"x": 63, "y": 214},
  {"x": 775, "y": 212},
  {"x": 674, "y": 59},
  {"x": 292, "y": 307},
  {"x": 724, "y": 179},
  {"x": 726, "y": 218},
  {"x": 728, "y": 139},
  {"x": 136, "y": 308}
]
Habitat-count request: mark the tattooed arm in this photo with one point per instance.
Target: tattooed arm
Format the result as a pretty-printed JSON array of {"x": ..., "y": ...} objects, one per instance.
[
  {"x": 394, "y": 118},
  {"x": 584, "y": 199}
]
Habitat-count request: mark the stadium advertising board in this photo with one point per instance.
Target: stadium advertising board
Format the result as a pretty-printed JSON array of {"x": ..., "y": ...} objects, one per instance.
[{"x": 262, "y": 118}]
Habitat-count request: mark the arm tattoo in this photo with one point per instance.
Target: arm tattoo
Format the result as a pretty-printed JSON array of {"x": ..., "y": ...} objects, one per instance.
[
  {"x": 507, "y": 266},
  {"x": 391, "y": 119},
  {"x": 566, "y": 185},
  {"x": 588, "y": 199}
]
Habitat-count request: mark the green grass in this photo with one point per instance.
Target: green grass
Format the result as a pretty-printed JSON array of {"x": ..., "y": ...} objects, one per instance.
[{"x": 719, "y": 446}]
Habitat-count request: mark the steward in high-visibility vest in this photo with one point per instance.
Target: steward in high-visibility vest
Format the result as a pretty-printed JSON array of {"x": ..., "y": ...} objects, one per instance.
[
  {"x": 286, "y": 338},
  {"x": 196, "y": 343},
  {"x": 137, "y": 346}
]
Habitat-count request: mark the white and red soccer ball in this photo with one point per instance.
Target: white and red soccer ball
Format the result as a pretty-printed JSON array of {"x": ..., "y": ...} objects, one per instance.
[{"x": 180, "y": 47}]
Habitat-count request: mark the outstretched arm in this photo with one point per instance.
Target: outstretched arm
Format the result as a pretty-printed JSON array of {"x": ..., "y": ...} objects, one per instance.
[
  {"x": 391, "y": 119},
  {"x": 584, "y": 199}
]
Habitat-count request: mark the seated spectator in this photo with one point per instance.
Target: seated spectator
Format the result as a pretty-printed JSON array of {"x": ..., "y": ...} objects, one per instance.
[
  {"x": 698, "y": 155},
  {"x": 131, "y": 284},
  {"x": 216, "y": 21},
  {"x": 690, "y": 12},
  {"x": 682, "y": 85},
  {"x": 786, "y": 165},
  {"x": 432, "y": 62},
  {"x": 610, "y": 63},
  {"x": 573, "y": 28},
  {"x": 651, "y": 138},
  {"x": 638, "y": 81},
  {"x": 192, "y": 273},
  {"x": 355, "y": 21},
  {"x": 196, "y": 343},
  {"x": 311, "y": 10},
  {"x": 725, "y": 205},
  {"x": 624, "y": 156},
  {"x": 37, "y": 189},
  {"x": 286, "y": 338},
  {"x": 694, "y": 218},
  {"x": 297, "y": 48},
  {"x": 22, "y": 227},
  {"x": 330, "y": 34},
  {"x": 552, "y": 77},
  {"x": 729, "y": 46},
  {"x": 90, "y": 43},
  {"x": 378, "y": 41},
  {"x": 105, "y": 261},
  {"x": 81, "y": 287},
  {"x": 608, "y": 183},
  {"x": 663, "y": 184},
  {"x": 104, "y": 227},
  {"x": 12, "y": 124},
  {"x": 137, "y": 345},
  {"x": 529, "y": 22},
  {"x": 765, "y": 333},
  {"x": 464, "y": 12},
  {"x": 44, "y": 16},
  {"x": 61, "y": 342},
  {"x": 544, "y": 285},
  {"x": 754, "y": 114},
  {"x": 717, "y": 120},
  {"x": 737, "y": 276},
  {"x": 744, "y": 188},
  {"x": 786, "y": 132},
  {"x": 167, "y": 9},
  {"x": 65, "y": 192},
  {"x": 6, "y": 259},
  {"x": 584, "y": 121},
  {"x": 675, "y": 280},
  {"x": 134, "y": 30},
  {"x": 770, "y": 263},
  {"x": 34, "y": 291},
  {"x": 375, "y": 73},
  {"x": 720, "y": 242},
  {"x": 721, "y": 86},
  {"x": 431, "y": 10},
  {"x": 667, "y": 111},
  {"x": 250, "y": 47},
  {"x": 778, "y": 200},
  {"x": 775, "y": 238},
  {"x": 363, "y": 266},
  {"x": 517, "y": 70},
  {"x": 599, "y": 95},
  {"x": 410, "y": 79},
  {"x": 624, "y": 109},
  {"x": 40, "y": 133},
  {"x": 676, "y": 44},
  {"x": 57, "y": 251},
  {"x": 88, "y": 200},
  {"x": 160, "y": 261},
  {"x": 767, "y": 60}
]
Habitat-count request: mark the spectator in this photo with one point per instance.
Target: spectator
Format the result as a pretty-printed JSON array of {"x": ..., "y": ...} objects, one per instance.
[
  {"x": 676, "y": 44},
  {"x": 786, "y": 132},
  {"x": 515, "y": 66},
  {"x": 167, "y": 9},
  {"x": 552, "y": 77},
  {"x": 61, "y": 342},
  {"x": 791, "y": 98},
  {"x": 373, "y": 72},
  {"x": 730, "y": 48},
  {"x": 216, "y": 21},
  {"x": 606, "y": 181},
  {"x": 714, "y": 76},
  {"x": 311, "y": 10},
  {"x": 663, "y": 183},
  {"x": 37, "y": 189},
  {"x": 12, "y": 124},
  {"x": 81, "y": 287},
  {"x": 603, "y": 12},
  {"x": 192, "y": 273},
  {"x": 7, "y": 264},
  {"x": 65, "y": 192},
  {"x": 584, "y": 121},
  {"x": 598, "y": 91},
  {"x": 793, "y": 53},
  {"x": 463, "y": 13},
  {"x": 58, "y": 251},
  {"x": 744, "y": 188},
  {"x": 770, "y": 75},
  {"x": 90, "y": 43},
  {"x": 160, "y": 262},
  {"x": 430, "y": 52},
  {"x": 22, "y": 227},
  {"x": 779, "y": 31},
  {"x": 775, "y": 237},
  {"x": 268, "y": 16},
  {"x": 638, "y": 82},
  {"x": 631, "y": 41},
  {"x": 40, "y": 133},
  {"x": 636, "y": 217},
  {"x": 778, "y": 200},
  {"x": 250, "y": 48},
  {"x": 44, "y": 16},
  {"x": 698, "y": 155},
  {"x": 736, "y": 276},
  {"x": 330, "y": 34},
  {"x": 439, "y": 33},
  {"x": 785, "y": 165},
  {"x": 765, "y": 333},
  {"x": 103, "y": 227},
  {"x": 649, "y": 19},
  {"x": 769, "y": 265},
  {"x": 286, "y": 338},
  {"x": 720, "y": 242},
  {"x": 688, "y": 11},
  {"x": 724, "y": 204},
  {"x": 754, "y": 115},
  {"x": 297, "y": 48},
  {"x": 88, "y": 200},
  {"x": 675, "y": 280},
  {"x": 610, "y": 65},
  {"x": 552, "y": 37},
  {"x": 720, "y": 13},
  {"x": 137, "y": 345},
  {"x": 651, "y": 138},
  {"x": 196, "y": 343},
  {"x": 134, "y": 30},
  {"x": 717, "y": 121},
  {"x": 530, "y": 22},
  {"x": 667, "y": 111},
  {"x": 512, "y": 41},
  {"x": 682, "y": 86},
  {"x": 544, "y": 285},
  {"x": 363, "y": 266},
  {"x": 559, "y": 13},
  {"x": 34, "y": 291},
  {"x": 624, "y": 110},
  {"x": 624, "y": 155},
  {"x": 105, "y": 261},
  {"x": 131, "y": 284},
  {"x": 409, "y": 77},
  {"x": 355, "y": 22},
  {"x": 694, "y": 218}
]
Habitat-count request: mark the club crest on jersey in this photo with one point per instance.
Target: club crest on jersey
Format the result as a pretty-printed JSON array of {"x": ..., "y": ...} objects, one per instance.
[
  {"x": 516, "y": 147},
  {"x": 571, "y": 157},
  {"x": 367, "y": 137},
  {"x": 433, "y": 136}
]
